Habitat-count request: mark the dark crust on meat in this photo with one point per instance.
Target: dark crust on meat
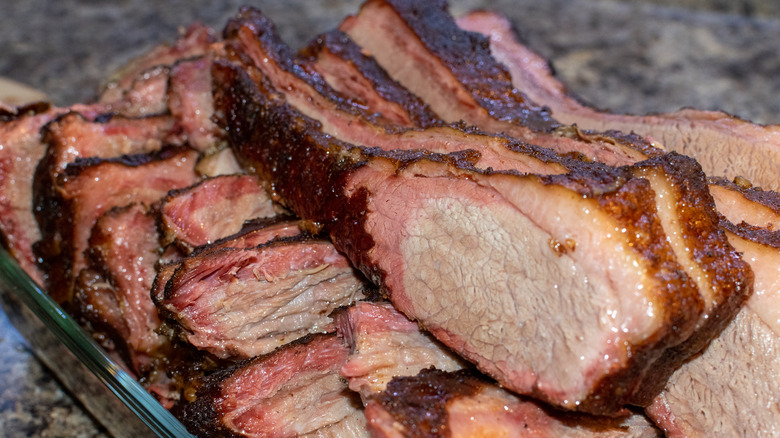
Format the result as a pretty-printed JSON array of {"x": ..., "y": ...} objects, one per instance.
[
  {"x": 339, "y": 44},
  {"x": 202, "y": 416},
  {"x": 767, "y": 198},
  {"x": 324, "y": 161},
  {"x": 753, "y": 233},
  {"x": 8, "y": 113},
  {"x": 81, "y": 164},
  {"x": 419, "y": 403},
  {"x": 467, "y": 55},
  {"x": 265, "y": 31}
]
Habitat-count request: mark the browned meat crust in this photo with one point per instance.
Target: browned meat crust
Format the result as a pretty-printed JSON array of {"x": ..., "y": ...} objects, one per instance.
[
  {"x": 256, "y": 121},
  {"x": 342, "y": 62}
]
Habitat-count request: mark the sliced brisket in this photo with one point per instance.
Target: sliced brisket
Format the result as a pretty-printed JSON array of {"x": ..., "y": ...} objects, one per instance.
[
  {"x": 349, "y": 71},
  {"x": 291, "y": 392},
  {"x": 191, "y": 102},
  {"x": 723, "y": 144},
  {"x": 90, "y": 187},
  {"x": 385, "y": 344},
  {"x": 435, "y": 403},
  {"x": 733, "y": 387},
  {"x": 242, "y": 302},
  {"x": 212, "y": 209},
  {"x": 420, "y": 45},
  {"x": 438, "y": 234}
]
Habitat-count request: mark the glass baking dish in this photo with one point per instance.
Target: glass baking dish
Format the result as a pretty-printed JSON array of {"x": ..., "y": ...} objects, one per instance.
[{"x": 111, "y": 395}]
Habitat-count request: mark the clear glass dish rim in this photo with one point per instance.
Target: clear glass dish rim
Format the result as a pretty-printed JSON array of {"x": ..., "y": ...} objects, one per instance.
[{"x": 65, "y": 328}]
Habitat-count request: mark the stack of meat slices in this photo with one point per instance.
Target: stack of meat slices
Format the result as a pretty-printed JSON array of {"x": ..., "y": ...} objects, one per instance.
[{"x": 220, "y": 218}]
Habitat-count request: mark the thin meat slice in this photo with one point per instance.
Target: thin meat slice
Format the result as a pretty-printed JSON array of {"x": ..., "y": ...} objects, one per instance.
[
  {"x": 253, "y": 233},
  {"x": 385, "y": 344},
  {"x": 90, "y": 187},
  {"x": 744, "y": 203},
  {"x": 212, "y": 209},
  {"x": 294, "y": 391},
  {"x": 195, "y": 41},
  {"x": 253, "y": 36},
  {"x": 243, "y": 302},
  {"x": 723, "y": 144},
  {"x": 420, "y": 45},
  {"x": 349, "y": 71},
  {"x": 147, "y": 95},
  {"x": 435, "y": 403},
  {"x": 191, "y": 103},
  {"x": 444, "y": 240}
]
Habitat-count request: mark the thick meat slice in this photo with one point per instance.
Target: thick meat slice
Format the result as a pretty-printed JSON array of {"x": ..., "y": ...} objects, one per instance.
[
  {"x": 88, "y": 188},
  {"x": 463, "y": 404},
  {"x": 420, "y": 46},
  {"x": 291, "y": 392},
  {"x": 733, "y": 387},
  {"x": 212, "y": 209},
  {"x": 124, "y": 247},
  {"x": 454, "y": 247},
  {"x": 723, "y": 144},
  {"x": 191, "y": 102},
  {"x": 385, "y": 344},
  {"x": 20, "y": 151},
  {"x": 240, "y": 303},
  {"x": 254, "y": 36},
  {"x": 194, "y": 42},
  {"x": 349, "y": 71}
]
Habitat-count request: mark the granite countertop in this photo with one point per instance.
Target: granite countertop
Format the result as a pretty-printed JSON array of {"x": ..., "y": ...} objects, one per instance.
[{"x": 625, "y": 55}]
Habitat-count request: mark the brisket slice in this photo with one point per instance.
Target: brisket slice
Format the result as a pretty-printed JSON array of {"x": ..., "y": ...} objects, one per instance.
[
  {"x": 242, "y": 302},
  {"x": 293, "y": 391},
  {"x": 444, "y": 240},
  {"x": 124, "y": 248},
  {"x": 385, "y": 344},
  {"x": 743, "y": 203},
  {"x": 349, "y": 71},
  {"x": 723, "y": 144},
  {"x": 211, "y": 209},
  {"x": 89, "y": 187},
  {"x": 195, "y": 41},
  {"x": 731, "y": 389},
  {"x": 420, "y": 45},
  {"x": 255, "y": 43},
  {"x": 435, "y": 403},
  {"x": 191, "y": 102}
]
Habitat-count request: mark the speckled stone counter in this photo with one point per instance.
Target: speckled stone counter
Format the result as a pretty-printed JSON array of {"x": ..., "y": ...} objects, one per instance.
[{"x": 625, "y": 55}]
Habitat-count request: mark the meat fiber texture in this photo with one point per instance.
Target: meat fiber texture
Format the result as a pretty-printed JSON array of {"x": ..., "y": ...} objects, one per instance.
[
  {"x": 415, "y": 273},
  {"x": 411, "y": 387}
]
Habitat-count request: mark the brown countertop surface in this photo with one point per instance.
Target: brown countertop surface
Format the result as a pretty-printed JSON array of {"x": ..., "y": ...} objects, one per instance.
[{"x": 625, "y": 55}]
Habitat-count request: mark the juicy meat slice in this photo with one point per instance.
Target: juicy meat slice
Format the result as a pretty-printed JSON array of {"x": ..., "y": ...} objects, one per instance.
[
  {"x": 242, "y": 302},
  {"x": 420, "y": 45},
  {"x": 191, "y": 102},
  {"x": 454, "y": 246},
  {"x": 124, "y": 247},
  {"x": 20, "y": 151},
  {"x": 723, "y": 144},
  {"x": 435, "y": 403},
  {"x": 254, "y": 37},
  {"x": 741, "y": 203},
  {"x": 731, "y": 389},
  {"x": 349, "y": 71},
  {"x": 90, "y": 187},
  {"x": 212, "y": 209},
  {"x": 195, "y": 41},
  {"x": 147, "y": 95},
  {"x": 385, "y": 344},
  {"x": 293, "y": 391}
]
